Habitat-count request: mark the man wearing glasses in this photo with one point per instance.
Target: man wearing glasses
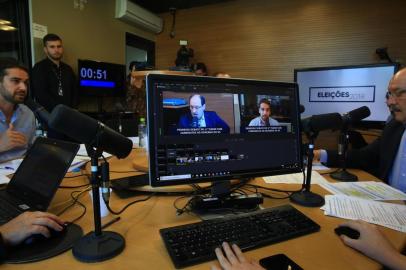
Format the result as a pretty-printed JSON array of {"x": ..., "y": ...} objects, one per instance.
[
  {"x": 386, "y": 156},
  {"x": 200, "y": 118}
]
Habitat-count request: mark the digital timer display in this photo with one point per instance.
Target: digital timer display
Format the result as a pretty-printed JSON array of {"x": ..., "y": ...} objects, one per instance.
[{"x": 101, "y": 78}]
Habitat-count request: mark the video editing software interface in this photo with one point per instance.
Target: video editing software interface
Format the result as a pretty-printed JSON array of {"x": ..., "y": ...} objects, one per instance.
[{"x": 208, "y": 129}]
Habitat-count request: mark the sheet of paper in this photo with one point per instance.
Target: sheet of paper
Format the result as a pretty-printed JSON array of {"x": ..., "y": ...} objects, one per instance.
[
  {"x": 78, "y": 162},
  {"x": 135, "y": 140},
  {"x": 381, "y": 213},
  {"x": 366, "y": 190},
  {"x": 319, "y": 167},
  {"x": 10, "y": 167},
  {"x": 82, "y": 152},
  {"x": 294, "y": 178},
  {"x": 4, "y": 179}
]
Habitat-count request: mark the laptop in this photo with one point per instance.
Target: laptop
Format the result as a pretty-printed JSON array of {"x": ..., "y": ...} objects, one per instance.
[{"x": 36, "y": 180}]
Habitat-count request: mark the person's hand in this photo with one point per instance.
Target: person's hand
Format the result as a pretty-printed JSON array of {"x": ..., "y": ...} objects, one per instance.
[
  {"x": 371, "y": 242},
  {"x": 28, "y": 223},
  {"x": 234, "y": 259},
  {"x": 316, "y": 156},
  {"x": 11, "y": 139}
]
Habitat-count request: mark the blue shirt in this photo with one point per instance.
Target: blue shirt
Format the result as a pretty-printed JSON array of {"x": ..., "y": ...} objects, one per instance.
[
  {"x": 258, "y": 122},
  {"x": 397, "y": 176},
  {"x": 23, "y": 121}
]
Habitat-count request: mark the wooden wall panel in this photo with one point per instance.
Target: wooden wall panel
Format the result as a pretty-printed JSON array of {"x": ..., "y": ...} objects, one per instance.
[{"x": 268, "y": 39}]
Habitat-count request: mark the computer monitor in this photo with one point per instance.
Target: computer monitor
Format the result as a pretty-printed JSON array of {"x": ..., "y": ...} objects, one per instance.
[
  {"x": 228, "y": 142},
  {"x": 345, "y": 88}
]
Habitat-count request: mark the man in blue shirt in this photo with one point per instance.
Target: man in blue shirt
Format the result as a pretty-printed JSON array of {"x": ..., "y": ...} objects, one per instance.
[
  {"x": 386, "y": 156},
  {"x": 17, "y": 122},
  {"x": 200, "y": 118},
  {"x": 264, "y": 119}
]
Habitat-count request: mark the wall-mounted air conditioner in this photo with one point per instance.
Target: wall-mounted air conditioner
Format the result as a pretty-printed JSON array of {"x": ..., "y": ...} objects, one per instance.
[{"x": 138, "y": 16}]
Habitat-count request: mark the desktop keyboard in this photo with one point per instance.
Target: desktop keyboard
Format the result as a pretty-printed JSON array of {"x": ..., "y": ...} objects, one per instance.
[{"x": 195, "y": 243}]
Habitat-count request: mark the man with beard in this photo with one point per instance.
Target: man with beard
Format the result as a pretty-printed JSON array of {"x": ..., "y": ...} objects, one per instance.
[
  {"x": 17, "y": 122},
  {"x": 386, "y": 156},
  {"x": 53, "y": 82}
]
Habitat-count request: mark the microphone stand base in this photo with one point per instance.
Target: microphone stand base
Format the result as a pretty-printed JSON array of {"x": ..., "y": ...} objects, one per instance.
[
  {"x": 91, "y": 248},
  {"x": 307, "y": 198},
  {"x": 344, "y": 176}
]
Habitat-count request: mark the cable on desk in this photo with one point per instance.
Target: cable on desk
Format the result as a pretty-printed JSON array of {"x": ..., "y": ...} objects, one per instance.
[
  {"x": 128, "y": 205},
  {"x": 74, "y": 201},
  {"x": 84, "y": 185},
  {"x": 82, "y": 174}
]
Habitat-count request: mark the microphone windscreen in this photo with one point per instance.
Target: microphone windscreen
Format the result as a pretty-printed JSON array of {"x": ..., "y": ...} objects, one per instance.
[
  {"x": 195, "y": 122},
  {"x": 38, "y": 110},
  {"x": 325, "y": 121},
  {"x": 301, "y": 108},
  {"x": 357, "y": 115},
  {"x": 85, "y": 129},
  {"x": 74, "y": 124}
]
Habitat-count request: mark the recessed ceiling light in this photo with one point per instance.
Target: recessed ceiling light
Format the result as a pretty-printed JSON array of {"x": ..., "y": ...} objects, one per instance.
[
  {"x": 4, "y": 22},
  {"x": 7, "y": 28}
]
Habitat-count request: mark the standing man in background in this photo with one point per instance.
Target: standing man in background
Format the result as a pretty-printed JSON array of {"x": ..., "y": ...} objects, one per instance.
[
  {"x": 17, "y": 122},
  {"x": 53, "y": 82}
]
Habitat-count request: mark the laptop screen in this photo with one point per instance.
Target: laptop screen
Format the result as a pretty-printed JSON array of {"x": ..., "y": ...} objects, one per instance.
[{"x": 42, "y": 170}]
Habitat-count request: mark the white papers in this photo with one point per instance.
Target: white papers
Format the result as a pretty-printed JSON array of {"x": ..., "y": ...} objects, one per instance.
[
  {"x": 10, "y": 167},
  {"x": 82, "y": 152},
  {"x": 366, "y": 190},
  {"x": 385, "y": 214},
  {"x": 78, "y": 162},
  {"x": 135, "y": 140},
  {"x": 294, "y": 178},
  {"x": 4, "y": 179},
  {"x": 317, "y": 166}
]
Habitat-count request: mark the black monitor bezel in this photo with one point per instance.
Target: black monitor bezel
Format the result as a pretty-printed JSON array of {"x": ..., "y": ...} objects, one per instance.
[
  {"x": 118, "y": 91},
  {"x": 151, "y": 78},
  {"x": 364, "y": 124}
]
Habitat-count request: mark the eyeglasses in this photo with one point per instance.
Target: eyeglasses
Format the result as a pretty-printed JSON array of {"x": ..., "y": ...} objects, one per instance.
[
  {"x": 396, "y": 94},
  {"x": 195, "y": 107}
]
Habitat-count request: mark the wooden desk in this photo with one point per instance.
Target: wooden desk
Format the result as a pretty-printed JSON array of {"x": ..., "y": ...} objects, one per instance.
[{"x": 144, "y": 249}]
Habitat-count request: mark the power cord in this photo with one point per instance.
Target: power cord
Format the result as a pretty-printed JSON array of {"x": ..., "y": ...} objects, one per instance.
[{"x": 128, "y": 205}]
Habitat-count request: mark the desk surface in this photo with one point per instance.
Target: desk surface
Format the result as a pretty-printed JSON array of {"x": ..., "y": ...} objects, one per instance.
[{"x": 144, "y": 249}]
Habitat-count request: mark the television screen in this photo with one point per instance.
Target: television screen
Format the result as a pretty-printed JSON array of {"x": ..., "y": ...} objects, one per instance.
[
  {"x": 101, "y": 78},
  {"x": 342, "y": 89}
]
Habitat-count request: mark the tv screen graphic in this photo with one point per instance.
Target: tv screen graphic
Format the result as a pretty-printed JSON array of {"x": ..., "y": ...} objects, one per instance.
[
  {"x": 343, "y": 89},
  {"x": 101, "y": 78}
]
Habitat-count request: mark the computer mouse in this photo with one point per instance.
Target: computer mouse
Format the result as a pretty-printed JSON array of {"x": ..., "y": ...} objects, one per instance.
[
  {"x": 349, "y": 232},
  {"x": 39, "y": 237}
]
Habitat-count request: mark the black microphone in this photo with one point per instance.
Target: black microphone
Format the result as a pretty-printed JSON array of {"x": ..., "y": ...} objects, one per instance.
[
  {"x": 316, "y": 123},
  {"x": 38, "y": 110},
  {"x": 195, "y": 122},
  {"x": 301, "y": 108},
  {"x": 356, "y": 115},
  {"x": 105, "y": 183},
  {"x": 89, "y": 131}
]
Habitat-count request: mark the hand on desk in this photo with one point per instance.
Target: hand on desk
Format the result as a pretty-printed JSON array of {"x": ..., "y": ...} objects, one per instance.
[
  {"x": 234, "y": 259},
  {"x": 28, "y": 223},
  {"x": 374, "y": 245}
]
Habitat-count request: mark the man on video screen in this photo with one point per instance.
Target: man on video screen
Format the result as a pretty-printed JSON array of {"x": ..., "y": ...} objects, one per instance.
[
  {"x": 264, "y": 119},
  {"x": 200, "y": 118}
]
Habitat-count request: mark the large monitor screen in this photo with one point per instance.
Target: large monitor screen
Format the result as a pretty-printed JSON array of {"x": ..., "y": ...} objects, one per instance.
[
  {"x": 207, "y": 129},
  {"x": 342, "y": 89},
  {"x": 101, "y": 78}
]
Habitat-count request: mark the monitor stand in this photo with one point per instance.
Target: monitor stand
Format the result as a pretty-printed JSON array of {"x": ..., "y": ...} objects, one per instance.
[{"x": 221, "y": 202}]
